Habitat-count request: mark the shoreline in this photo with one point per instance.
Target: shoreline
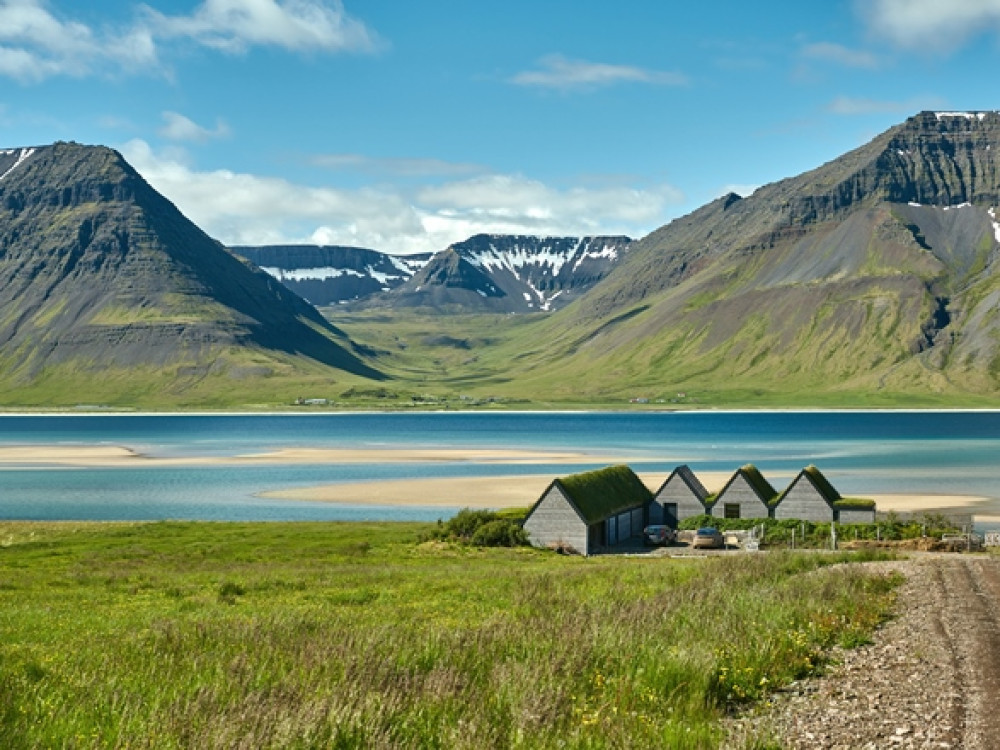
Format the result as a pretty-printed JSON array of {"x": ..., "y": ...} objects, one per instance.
[
  {"x": 483, "y": 491},
  {"x": 524, "y": 490},
  {"x": 107, "y": 456},
  {"x": 284, "y": 411}
]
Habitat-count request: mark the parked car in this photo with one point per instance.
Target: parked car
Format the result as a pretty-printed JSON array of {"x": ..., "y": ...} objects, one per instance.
[
  {"x": 708, "y": 538},
  {"x": 658, "y": 535}
]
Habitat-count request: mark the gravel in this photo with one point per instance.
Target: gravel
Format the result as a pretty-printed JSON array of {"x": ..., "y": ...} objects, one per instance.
[{"x": 930, "y": 679}]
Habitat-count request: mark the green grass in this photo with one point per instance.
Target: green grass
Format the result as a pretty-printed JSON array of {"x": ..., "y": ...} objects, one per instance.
[{"x": 203, "y": 635}]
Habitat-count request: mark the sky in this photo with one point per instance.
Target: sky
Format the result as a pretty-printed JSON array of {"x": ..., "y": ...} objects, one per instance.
[{"x": 406, "y": 126}]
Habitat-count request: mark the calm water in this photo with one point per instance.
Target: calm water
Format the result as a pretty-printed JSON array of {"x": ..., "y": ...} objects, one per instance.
[{"x": 862, "y": 452}]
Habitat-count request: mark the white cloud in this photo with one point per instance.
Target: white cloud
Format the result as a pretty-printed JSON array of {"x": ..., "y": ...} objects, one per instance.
[
  {"x": 846, "y": 105},
  {"x": 177, "y": 127},
  {"x": 558, "y": 72},
  {"x": 36, "y": 44},
  {"x": 933, "y": 24},
  {"x": 235, "y": 25},
  {"x": 244, "y": 209},
  {"x": 841, "y": 55}
]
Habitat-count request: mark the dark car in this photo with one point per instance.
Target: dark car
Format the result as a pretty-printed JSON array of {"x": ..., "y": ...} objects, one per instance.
[
  {"x": 708, "y": 538},
  {"x": 658, "y": 534}
]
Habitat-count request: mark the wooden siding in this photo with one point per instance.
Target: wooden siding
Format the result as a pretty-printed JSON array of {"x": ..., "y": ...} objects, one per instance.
[
  {"x": 554, "y": 521},
  {"x": 858, "y": 515},
  {"x": 676, "y": 490},
  {"x": 739, "y": 491},
  {"x": 802, "y": 501}
]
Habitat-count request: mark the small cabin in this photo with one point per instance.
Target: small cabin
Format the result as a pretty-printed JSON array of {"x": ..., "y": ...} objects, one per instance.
[
  {"x": 747, "y": 494},
  {"x": 681, "y": 496},
  {"x": 811, "y": 497},
  {"x": 590, "y": 511}
]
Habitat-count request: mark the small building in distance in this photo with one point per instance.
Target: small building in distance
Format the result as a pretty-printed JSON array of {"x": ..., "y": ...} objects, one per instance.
[
  {"x": 811, "y": 497},
  {"x": 747, "y": 494},
  {"x": 589, "y": 511},
  {"x": 681, "y": 496}
]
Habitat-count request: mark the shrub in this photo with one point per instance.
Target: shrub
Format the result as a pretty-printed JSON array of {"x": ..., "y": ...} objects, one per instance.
[
  {"x": 499, "y": 533},
  {"x": 482, "y": 528}
]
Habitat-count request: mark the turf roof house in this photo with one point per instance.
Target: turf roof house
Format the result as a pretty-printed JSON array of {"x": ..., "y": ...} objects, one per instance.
[
  {"x": 746, "y": 495},
  {"x": 681, "y": 496},
  {"x": 589, "y": 511},
  {"x": 811, "y": 497}
]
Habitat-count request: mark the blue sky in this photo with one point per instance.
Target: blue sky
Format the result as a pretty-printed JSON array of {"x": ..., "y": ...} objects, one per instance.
[{"x": 405, "y": 126}]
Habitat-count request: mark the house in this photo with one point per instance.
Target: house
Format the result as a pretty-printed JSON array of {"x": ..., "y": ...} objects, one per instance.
[
  {"x": 589, "y": 511},
  {"x": 681, "y": 496},
  {"x": 746, "y": 495},
  {"x": 811, "y": 497}
]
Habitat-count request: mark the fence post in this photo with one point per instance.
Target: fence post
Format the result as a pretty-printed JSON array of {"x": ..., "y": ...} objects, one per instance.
[{"x": 833, "y": 534}]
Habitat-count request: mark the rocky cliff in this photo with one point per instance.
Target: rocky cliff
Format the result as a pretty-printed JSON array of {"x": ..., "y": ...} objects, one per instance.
[
  {"x": 877, "y": 271},
  {"x": 99, "y": 272},
  {"x": 510, "y": 273},
  {"x": 329, "y": 275}
]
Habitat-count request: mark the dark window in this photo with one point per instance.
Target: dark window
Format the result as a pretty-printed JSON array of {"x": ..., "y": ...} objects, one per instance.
[{"x": 731, "y": 510}]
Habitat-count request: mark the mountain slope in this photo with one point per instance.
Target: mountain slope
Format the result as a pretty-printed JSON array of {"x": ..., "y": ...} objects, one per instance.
[
  {"x": 330, "y": 275},
  {"x": 99, "y": 272},
  {"x": 509, "y": 273},
  {"x": 876, "y": 273}
]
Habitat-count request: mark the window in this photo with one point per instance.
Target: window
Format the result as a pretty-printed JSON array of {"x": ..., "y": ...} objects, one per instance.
[{"x": 731, "y": 510}]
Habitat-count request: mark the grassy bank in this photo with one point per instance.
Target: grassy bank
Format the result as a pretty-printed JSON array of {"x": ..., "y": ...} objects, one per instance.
[{"x": 355, "y": 635}]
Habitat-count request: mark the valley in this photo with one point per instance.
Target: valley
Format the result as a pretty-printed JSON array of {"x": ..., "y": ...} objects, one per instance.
[{"x": 870, "y": 281}]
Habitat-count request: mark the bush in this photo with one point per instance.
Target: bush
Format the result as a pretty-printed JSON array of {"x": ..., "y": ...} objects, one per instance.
[
  {"x": 778, "y": 532},
  {"x": 499, "y": 533},
  {"x": 482, "y": 528}
]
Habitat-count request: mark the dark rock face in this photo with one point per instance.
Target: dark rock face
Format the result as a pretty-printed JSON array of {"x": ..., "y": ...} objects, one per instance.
[
  {"x": 510, "y": 273},
  {"x": 887, "y": 257},
  {"x": 330, "y": 275},
  {"x": 97, "y": 270}
]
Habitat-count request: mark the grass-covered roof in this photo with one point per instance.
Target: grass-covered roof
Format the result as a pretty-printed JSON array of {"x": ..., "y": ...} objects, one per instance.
[
  {"x": 603, "y": 493},
  {"x": 854, "y": 503},
  {"x": 822, "y": 483},
  {"x": 761, "y": 486}
]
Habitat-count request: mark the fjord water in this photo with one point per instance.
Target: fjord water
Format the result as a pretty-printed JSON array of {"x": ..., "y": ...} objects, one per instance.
[{"x": 862, "y": 452}]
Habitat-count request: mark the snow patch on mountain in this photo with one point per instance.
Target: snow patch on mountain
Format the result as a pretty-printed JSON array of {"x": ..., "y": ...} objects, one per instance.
[{"x": 20, "y": 156}]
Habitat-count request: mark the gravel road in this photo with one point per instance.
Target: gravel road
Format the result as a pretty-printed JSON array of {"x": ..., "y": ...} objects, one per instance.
[{"x": 930, "y": 679}]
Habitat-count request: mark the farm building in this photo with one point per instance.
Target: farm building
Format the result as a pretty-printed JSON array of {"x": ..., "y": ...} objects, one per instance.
[
  {"x": 811, "y": 497},
  {"x": 681, "y": 496},
  {"x": 746, "y": 495},
  {"x": 589, "y": 511}
]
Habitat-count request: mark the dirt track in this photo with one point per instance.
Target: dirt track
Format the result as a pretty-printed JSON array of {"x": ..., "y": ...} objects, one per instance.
[{"x": 931, "y": 679}]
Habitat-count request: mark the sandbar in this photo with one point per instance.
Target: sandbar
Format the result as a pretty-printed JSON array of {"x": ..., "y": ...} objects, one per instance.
[
  {"x": 518, "y": 491},
  {"x": 114, "y": 455},
  {"x": 522, "y": 491}
]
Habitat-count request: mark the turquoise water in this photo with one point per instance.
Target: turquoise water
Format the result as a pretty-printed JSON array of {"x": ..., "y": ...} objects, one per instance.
[{"x": 862, "y": 452}]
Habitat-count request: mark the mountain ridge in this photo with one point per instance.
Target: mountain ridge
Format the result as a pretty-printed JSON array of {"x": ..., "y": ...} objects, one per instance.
[
  {"x": 846, "y": 277},
  {"x": 98, "y": 271}
]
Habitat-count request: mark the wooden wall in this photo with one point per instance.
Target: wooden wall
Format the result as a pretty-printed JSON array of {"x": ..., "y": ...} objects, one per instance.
[
  {"x": 555, "y": 521},
  {"x": 803, "y": 502}
]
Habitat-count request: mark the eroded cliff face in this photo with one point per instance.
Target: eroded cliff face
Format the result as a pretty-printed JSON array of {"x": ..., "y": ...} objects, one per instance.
[
  {"x": 880, "y": 268},
  {"x": 99, "y": 270},
  {"x": 510, "y": 273}
]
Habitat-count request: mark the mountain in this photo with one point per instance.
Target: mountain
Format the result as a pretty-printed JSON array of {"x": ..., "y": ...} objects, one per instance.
[
  {"x": 509, "y": 273},
  {"x": 330, "y": 274},
  {"x": 102, "y": 280},
  {"x": 877, "y": 273}
]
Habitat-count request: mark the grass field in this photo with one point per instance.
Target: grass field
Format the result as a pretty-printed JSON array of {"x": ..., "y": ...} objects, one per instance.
[{"x": 200, "y": 635}]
